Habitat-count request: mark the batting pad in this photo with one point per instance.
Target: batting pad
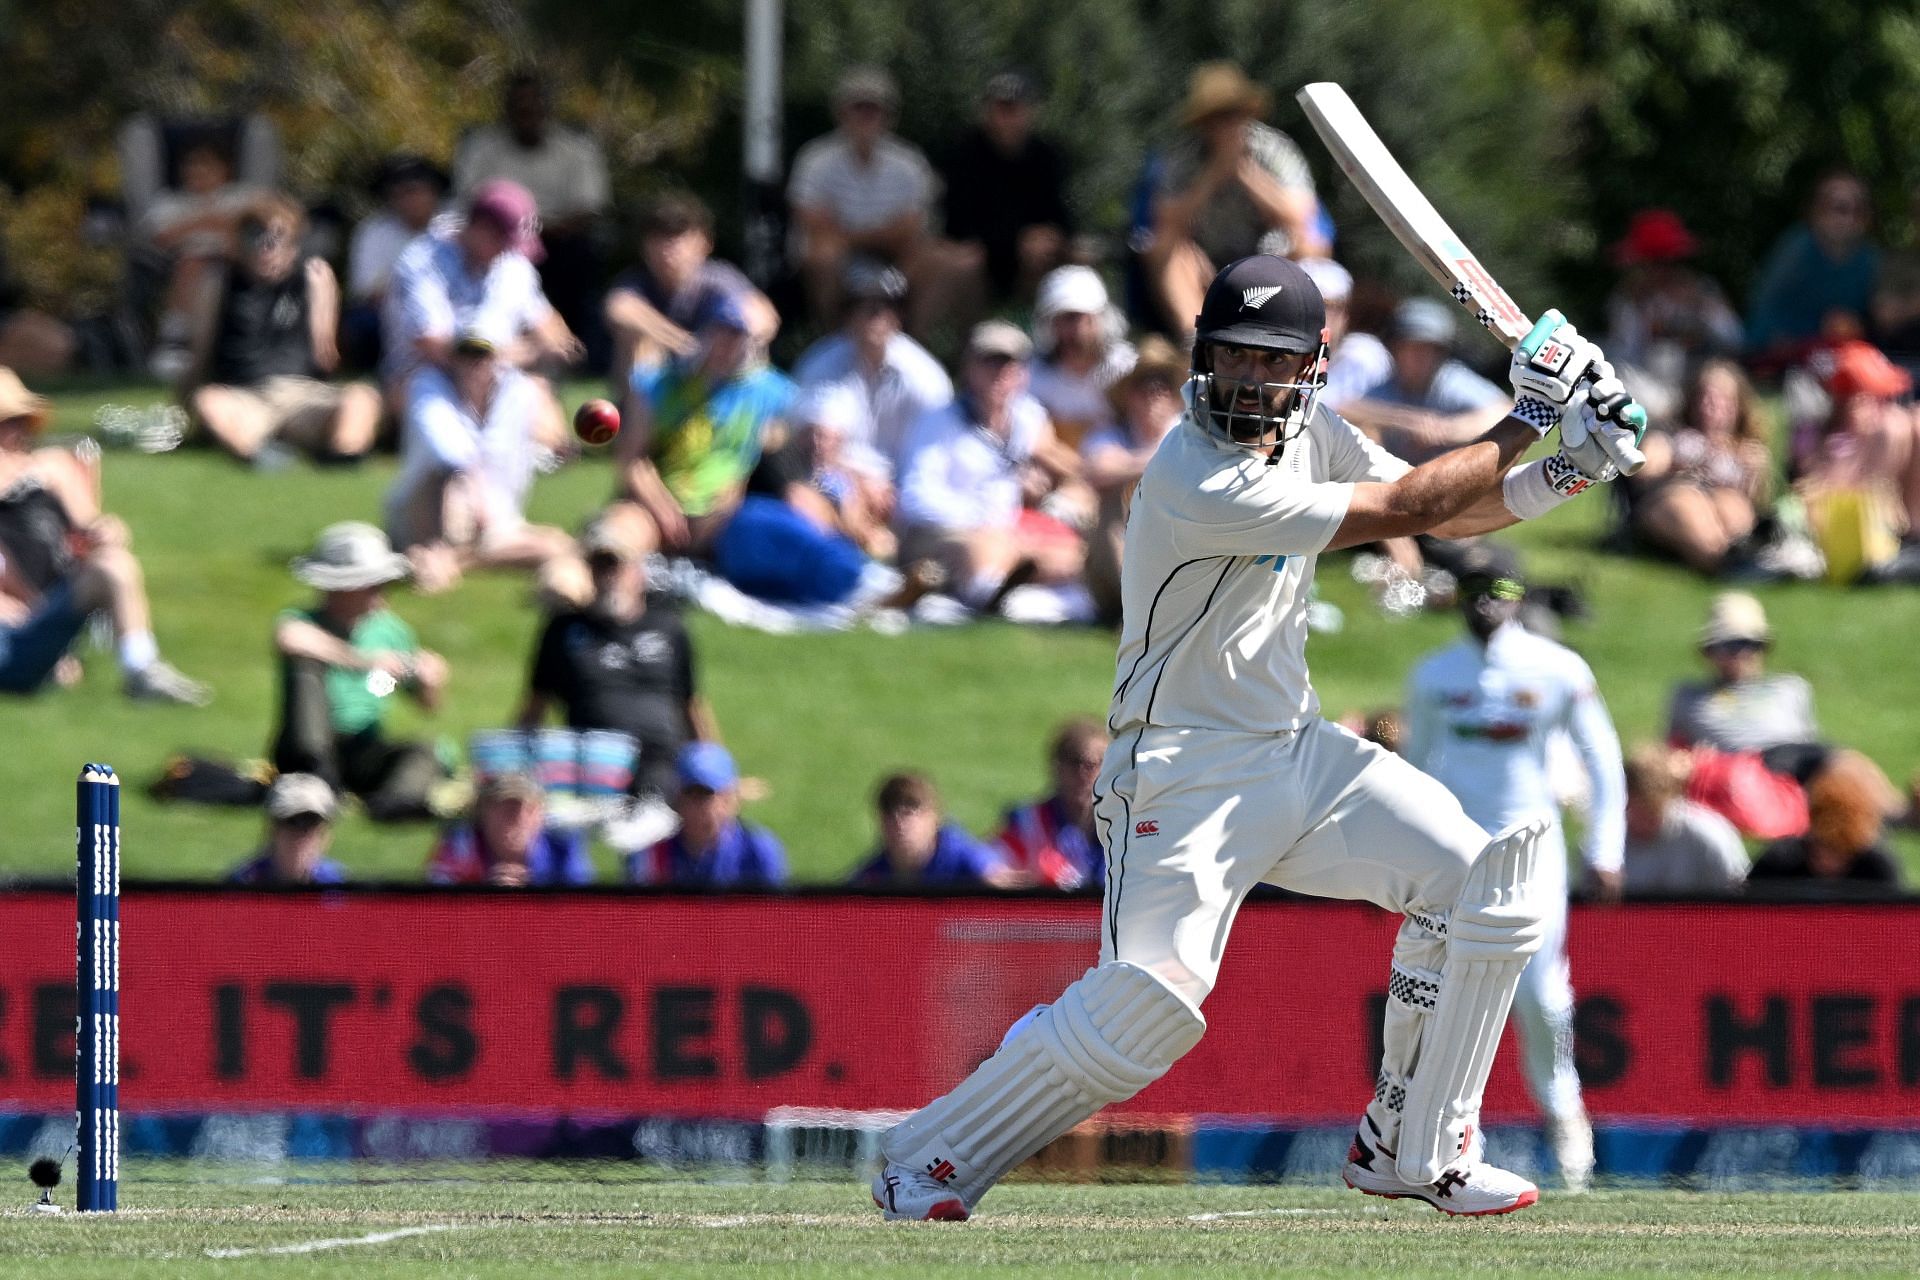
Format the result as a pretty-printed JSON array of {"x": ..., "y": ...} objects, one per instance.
[
  {"x": 1108, "y": 1036},
  {"x": 1494, "y": 927}
]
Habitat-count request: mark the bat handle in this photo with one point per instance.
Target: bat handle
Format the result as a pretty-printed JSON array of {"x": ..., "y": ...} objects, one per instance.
[{"x": 1549, "y": 321}]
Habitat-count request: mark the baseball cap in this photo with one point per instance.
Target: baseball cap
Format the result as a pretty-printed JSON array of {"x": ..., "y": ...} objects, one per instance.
[
  {"x": 473, "y": 344},
  {"x": 833, "y": 405},
  {"x": 1424, "y": 320},
  {"x": 866, "y": 84},
  {"x": 1655, "y": 235},
  {"x": 511, "y": 207},
  {"x": 707, "y": 765},
  {"x": 1009, "y": 86},
  {"x": 1334, "y": 281},
  {"x": 724, "y": 311},
  {"x": 866, "y": 279},
  {"x": 1733, "y": 618},
  {"x": 1071, "y": 290},
  {"x": 1860, "y": 368},
  {"x": 999, "y": 338},
  {"x": 295, "y": 794},
  {"x": 1262, "y": 301}
]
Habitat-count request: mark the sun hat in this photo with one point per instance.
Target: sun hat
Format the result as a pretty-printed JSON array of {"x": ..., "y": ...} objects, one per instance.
[
  {"x": 350, "y": 556},
  {"x": 1216, "y": 88}
]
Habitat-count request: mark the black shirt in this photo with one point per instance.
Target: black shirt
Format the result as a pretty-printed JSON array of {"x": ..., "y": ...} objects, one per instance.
[
  {"x": 1787, "y": 860},
  {"x": 262, "y": 331},
  {"x": 992, "y": 197},
  {"x": 633, "y": 677}
]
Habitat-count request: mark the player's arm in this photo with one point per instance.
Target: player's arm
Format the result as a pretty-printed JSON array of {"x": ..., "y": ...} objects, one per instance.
[{"x": 1599, "y": 749}]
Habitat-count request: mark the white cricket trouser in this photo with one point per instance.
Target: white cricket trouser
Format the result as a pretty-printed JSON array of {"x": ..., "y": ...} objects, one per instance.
[
  {"x": 1543, "y": 1002},
  {"x": 1193, "y": 818}
]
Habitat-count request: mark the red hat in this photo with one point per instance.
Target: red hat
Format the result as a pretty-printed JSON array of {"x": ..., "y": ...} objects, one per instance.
[
  {"x": 1655, "y": 235},
  {"x": 510, "y": 206},
  {"x": 1860, "y": 369}
]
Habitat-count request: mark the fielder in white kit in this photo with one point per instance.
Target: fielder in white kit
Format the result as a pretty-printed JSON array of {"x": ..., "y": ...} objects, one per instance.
[
  {"x": 1222, "y": 774},
  {"x": 1481, "y": 717}
]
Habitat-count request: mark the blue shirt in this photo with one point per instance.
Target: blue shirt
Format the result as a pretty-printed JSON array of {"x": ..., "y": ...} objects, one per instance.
[
  {"x": 745, "y": 858},
  {"x": 258, "y": 870},
  {"x": 1799, "y": 284},
  {"x": 958, "y": 859}
]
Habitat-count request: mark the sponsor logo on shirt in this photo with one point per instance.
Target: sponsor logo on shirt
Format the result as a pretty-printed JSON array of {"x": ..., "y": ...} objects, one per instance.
[{"x": 1146, "y": 827}]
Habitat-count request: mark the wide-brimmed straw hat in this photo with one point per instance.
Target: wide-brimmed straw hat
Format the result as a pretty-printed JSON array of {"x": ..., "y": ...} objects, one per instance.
[
  {"x": 350, "y": 556},
  {"x": 18, "y": 402},
  {"x": 1216, "y": 88}
]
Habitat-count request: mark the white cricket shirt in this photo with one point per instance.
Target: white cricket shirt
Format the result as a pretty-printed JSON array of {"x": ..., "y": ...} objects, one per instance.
[{"x": 1219, "y": 553}]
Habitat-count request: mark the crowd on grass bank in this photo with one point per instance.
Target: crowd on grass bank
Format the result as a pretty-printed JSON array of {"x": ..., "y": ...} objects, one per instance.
[{"x": 935, "y": 411}]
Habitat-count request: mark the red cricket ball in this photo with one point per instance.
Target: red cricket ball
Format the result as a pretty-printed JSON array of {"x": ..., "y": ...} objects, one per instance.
[{"x": 596, "y": 421}]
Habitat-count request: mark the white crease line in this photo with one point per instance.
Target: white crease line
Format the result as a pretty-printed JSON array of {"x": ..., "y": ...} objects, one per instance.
[
  {"x": 315, "y": 1246},
  {"x": 1260, "y": 1213}
]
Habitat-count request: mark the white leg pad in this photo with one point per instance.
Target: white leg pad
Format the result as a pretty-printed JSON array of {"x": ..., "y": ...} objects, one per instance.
[
  {"x": 1497, "y": 923},
  {"x": 1413, "y": 988},
  {"x": 1108, "y": 1036}
]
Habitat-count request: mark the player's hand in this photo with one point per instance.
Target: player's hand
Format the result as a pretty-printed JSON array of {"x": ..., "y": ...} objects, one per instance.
[
  {"x": 1547, "y": 369},
  {"x": 1601, "y": 432},
  {"x": 1606, "y": 886}
]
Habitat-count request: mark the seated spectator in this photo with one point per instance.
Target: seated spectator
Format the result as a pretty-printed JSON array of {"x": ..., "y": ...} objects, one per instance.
[
  {"x": 476, "y": 277},
  {"x": 63, "y": 560},
  {"x": 1147, "y": 405},
  {"x": 694, "y": 430},
  {"x": 341, "y": 657},
  {"x": 467, "y": 463},
  {"x": 268, "y": 342},
  {"x": 920, "y": 849},
  {"x": 651, "y": 310},
  {"x": 860, "y": 190},
  {"x": 565, "y": 170},
  {"x": 1706, "y": 481},
  {"x": 898, "y": 380},
  {"x": 411, "y": 189},
  {"x": 300, "y": 814},
  {"x": 507, "y": 842},
  {"x": 1665, "y": 318},
  {"x": 1230, "y": 186},
  {"x": 815, "y": 470},
  {"x": 1818, "y": 279},
  {"x": 1673, "y": 845},
  {"x": 713, "y": 849},
  {"x": 619, "y": 662},
  {"x": 1080, "y": 350},
  {"x": 1356, "y": 361},
  {"x": 1052, "y": 841},
  {"x": 1005, "y": 191},
  {"x": 971, "y": 470},
  {"x": 1846, "y": 810},
  {"x": 1430, "y": 402},
  {"x": 1742, "y": 707},
  {"x": 1859, "y": 468}
]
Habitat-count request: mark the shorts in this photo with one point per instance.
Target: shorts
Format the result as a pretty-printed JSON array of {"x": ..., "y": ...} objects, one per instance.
[
  {"x": 298, "y": 410},
  {"x": 30, "y": 651}
]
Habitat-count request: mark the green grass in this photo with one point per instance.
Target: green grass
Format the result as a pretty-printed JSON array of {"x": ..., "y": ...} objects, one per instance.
[
  {"x": 555, "y": 1223},
  {"x": 819, "y": 717}
]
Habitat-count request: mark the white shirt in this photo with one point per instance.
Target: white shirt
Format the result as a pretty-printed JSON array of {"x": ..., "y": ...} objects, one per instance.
[
  {"x": 1078, "y": 403},
  {"x": 828, "y": 175},
  {"x": 1482, "y": 720},
  {"x": 566, "y": 174},
  {"x": 1219, "y": 554},
  {"x": 908, "y": 385},
  {"x": 377, "y": 244},
  {"x": 443, "y": 433},
  {"x": 956, "y": 475},
  {"x": 433, "y": 294},
  {"x": 1360, "y": 361}
]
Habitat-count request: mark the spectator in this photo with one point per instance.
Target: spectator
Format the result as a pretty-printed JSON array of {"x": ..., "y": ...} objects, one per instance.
[
  {"x": 652, "y": 309},
  {"x": 1431, "y": 402},
  {"x": 1846, "y": 808},
  {"x": 269, "y": 340},
  {"x": 1080, "y": 351},
  {"x": 1665, "y": 318},
  {"x": 300, "y": 814},
  {"x": 1675, "y": 846},
  {"x": 476, "y": 277},
  {"x": 1052, "y": 841},
  {"x": 467, "y": 462},
  {"x": 340, "y": 659},
  {"x": 1742, "y": 708},
  {"x": 1356, "y": 361},
  {"x": 411, "y": 189},
  {"x": 621, "y": 663},
  {"x": 1859, "y": 468},
  {"x": 1147, "y": 405},
  {"x": 507, "y": 842},
  {"x": 566, "y": 172},
  {"x": 1230, "y": 186},
  {"x": 694, "y": 429},
  {"x": 1006, "y": 191},
  {"x": 862, "y": 191},
  {"x": 713, "y": 849},
  {"x": 919, "y": 848},
  {"x": 1818, "y": 279},
  {"x": 969, "y": 470},
  {"x": 62, "y": 560},
  {"x": 815, "y": 470},
  {"x": 1704, "y": 484},
  {"x": 898, "y": 380}
]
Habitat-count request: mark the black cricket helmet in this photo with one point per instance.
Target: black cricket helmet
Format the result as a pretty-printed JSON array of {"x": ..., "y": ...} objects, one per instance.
[{"x": 1270, "y": 304}]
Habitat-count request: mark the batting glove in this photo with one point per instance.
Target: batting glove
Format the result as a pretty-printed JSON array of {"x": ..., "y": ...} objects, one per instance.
[
  {"x": 1601, "y": 432},
  {"x": 1547, "y": 370}
]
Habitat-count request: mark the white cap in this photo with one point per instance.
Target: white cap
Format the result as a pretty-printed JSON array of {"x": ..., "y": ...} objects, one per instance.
[
  {"x": 1333, "y": 281},
  {"x": 833, "y": 405},
  {"x": 1069, "y": 291}
]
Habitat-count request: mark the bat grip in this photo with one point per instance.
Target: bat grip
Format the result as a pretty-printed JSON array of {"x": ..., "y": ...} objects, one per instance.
[{"x": 1625, "y": 454}]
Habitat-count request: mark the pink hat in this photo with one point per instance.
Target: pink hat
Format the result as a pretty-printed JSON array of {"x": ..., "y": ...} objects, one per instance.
[{"x": 510, "y": 206}]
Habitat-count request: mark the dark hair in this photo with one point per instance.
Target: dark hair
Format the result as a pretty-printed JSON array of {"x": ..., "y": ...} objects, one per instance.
[
  {"x": 906, "y": 791},
  {"x": 525, "y": 78},
  {"x": 1076, "y": 735},
  {"x": 675, "y": 214}
]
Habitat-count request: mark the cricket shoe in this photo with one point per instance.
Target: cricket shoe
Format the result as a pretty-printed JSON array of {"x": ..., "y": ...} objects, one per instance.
[
  {"x": 1469, "y": 1188},
  {"x": 910, "y": 1195}
]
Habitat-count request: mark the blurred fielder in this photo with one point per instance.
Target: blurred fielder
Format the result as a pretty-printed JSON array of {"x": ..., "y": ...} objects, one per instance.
[
  {"x": 1222, "y": 774},
  {"x": 1481, "y": 717}
]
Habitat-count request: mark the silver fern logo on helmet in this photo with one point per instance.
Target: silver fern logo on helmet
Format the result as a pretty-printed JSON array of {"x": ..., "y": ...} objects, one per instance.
[{"x": 1256, "y": 298}]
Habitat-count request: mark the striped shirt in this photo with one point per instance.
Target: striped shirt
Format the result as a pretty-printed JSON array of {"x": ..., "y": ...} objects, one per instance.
[{"x": 828, "y": 176}]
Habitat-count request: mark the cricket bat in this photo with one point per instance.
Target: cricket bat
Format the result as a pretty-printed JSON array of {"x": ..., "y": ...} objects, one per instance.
[{"x": 1425, "y": 234}]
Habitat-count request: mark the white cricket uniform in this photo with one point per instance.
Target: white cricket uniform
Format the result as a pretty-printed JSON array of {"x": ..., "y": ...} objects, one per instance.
[
  {"x": 1484, "y": 720},
  {"x": 1222, "y": 773}
]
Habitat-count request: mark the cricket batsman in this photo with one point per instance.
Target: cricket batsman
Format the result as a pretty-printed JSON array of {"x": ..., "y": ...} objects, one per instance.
[
  {"x": 1222, "y": 774},
  {"x": 1481, "y": 717}
]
